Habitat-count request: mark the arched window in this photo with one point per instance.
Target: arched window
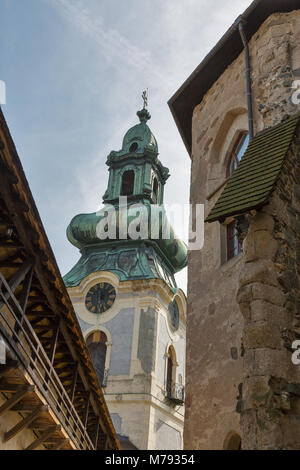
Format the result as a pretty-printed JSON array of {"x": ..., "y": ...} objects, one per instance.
[
  {"x": 96, "y": 344},
  {"x": 127, "y": 183},
  {"x": 175, "y": 391},
  {"x": 155, "y": 191},
  {"x": 233, "y": 245},
  {"x": 133, "y": 147},
  {"x": 238, "y": 151},
  {"x": 171, "y": 371},
  {"x": 233, "y": 442}
]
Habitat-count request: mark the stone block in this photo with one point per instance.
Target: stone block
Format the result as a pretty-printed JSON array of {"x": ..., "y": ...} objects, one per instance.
[
  {"x": 249, "y": 429},
  {"x": 260, "y": 245},
  {"x": 256, "y": 392},
  {"x": 262, "y": 221},
  {"x": 249, "y": 358},
  {"x": 280, "y": 30},
  {"x": 269, "y": 432},
  {"x": 290, "y": 427},
  {"x": 260, "y": 271},
  {"x": 244, "y": 294},
  {"x": 273, "y": 362},
  {"x": 268, "y": 293},
  {"x": 245, "y": 310},
  {"x": 262, "y": 335},
  {"x": 262, "y": 311}
]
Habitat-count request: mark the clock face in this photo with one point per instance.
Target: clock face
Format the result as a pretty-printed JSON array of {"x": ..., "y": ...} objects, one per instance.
[
  {"x": 174, "y": 315},
  {"x": 100, "y": 297}
]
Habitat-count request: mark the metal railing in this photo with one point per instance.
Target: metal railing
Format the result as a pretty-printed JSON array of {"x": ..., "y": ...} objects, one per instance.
[
  {"x": 23, "y": 341},
  {"x": 175, "y": 393},
  {"x": 105, "y": 378}
]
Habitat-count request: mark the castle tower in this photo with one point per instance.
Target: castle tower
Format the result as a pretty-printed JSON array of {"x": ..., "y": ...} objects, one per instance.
[
  {"x": 123, "y": 290},
  {"x": 243, "y": 376}
]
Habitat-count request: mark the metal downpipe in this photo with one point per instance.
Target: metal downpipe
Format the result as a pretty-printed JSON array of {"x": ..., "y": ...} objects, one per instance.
[{"x": 248, "y": 77}]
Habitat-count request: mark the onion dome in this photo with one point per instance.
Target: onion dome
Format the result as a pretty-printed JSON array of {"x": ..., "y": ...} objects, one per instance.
[
  {"x": 139, "y": 138},
  {"x": 135, "y": 172},
  {"x": 83, "y": 232}
]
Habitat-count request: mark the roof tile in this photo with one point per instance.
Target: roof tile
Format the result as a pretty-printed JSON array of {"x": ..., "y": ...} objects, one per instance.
[{"x": 253, "y": 181}]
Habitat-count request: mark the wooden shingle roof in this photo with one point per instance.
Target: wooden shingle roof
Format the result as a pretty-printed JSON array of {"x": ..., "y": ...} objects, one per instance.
[{"x": 253, "y": 181}]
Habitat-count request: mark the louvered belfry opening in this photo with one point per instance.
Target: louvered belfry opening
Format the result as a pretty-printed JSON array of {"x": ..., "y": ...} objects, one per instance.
[
  {"x": 96, "y": 343},
  {"x": 127, "y": 183}
]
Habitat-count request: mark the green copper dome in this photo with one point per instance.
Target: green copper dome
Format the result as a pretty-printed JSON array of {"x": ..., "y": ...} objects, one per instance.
[
  {"x": 136, "y": 173},
  {"x": 139, "y": 137},
  {"x": 82, "y": 232}
]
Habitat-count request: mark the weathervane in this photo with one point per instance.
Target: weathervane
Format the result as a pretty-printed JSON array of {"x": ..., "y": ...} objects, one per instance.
[{"x": 145, "y": 98}]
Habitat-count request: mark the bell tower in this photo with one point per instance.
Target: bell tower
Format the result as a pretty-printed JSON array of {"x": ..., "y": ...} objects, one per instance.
[{"x": 123, "y": 289}]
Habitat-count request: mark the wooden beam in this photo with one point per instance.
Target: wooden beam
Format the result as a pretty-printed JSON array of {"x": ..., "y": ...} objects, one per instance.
[
  {"x": 60, "y": 444},
  {"x": 35, "y": 322},
  {"x": 37, "y": 298},
  {"x": 43, "y": 437},
  {"x": 42, "y": 425},
  {"x": 19, "y": 204},
  {"x": 97, "y": 435},
  {"x": 43, "y": 330},
  {"x": 10, "y": 264},
  {"x": 87, "y": 409},
  {"x": 7, "y": 368},
  {"x": 54, "y": 343},
  {"x": 19, "y": 276},
  {"x": 4, "y": 243},
  {"x": 9, "y": 174},
  {"x": 44, "y": 313},
  {"x": 102, "y": 441},
  {"x": 74, "y": 382},
  {"x": 24, "y": 423},
  {"x": 24, "y": 407},
  {"x": 56, "y": 442},
  {"x": 26, "y": 289},
  {"x": 8, "y": 387},
  {"x": 23, "y": 302},
  {"x": 23, "y": 390},
  {"x": 4, "y": 216}
]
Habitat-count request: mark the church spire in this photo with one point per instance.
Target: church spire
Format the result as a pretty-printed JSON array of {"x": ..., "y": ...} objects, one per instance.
[{"x": 135, "y": 172}]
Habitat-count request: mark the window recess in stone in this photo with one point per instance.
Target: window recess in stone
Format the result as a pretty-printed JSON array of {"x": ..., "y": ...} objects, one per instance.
[
  {"x": 233, "y": 245},
  {"x": 238, "y": 151},
  {"x": 252, "y": 183}
]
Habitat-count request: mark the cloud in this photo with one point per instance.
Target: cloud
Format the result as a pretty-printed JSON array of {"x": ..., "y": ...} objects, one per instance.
[
  {"x": 157, "y": 43},
  {"x": 112, "y": 44}
]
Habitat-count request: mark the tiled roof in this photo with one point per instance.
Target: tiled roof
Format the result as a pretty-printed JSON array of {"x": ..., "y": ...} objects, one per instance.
[{"x": 253, "y": 181}]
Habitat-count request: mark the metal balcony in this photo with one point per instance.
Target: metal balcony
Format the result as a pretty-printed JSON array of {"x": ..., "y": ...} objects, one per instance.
[{"x": 175, "y": 393}]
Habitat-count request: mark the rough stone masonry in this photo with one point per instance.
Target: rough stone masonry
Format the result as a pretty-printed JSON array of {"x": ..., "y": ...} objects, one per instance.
[{"x": 243, "y": 315}]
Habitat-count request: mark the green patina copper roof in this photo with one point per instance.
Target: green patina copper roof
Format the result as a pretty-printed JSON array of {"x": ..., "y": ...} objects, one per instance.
[
  {"x": 128, "y": 261},
  {"x": 140, "y": 135},
  {"x": 253, "y": 181},
  {"x": 82, "y": 233},
  {"x": 157, "y": 252}
]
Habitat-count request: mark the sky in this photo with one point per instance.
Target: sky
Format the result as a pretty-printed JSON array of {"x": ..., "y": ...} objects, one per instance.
[{"x": 74, "y": 72}]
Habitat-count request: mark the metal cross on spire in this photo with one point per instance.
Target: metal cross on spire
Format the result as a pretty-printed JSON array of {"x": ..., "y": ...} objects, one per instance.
[{"x": 145, "y": 98}]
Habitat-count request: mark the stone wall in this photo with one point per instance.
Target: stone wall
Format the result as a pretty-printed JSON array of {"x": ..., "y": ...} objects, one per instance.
[
  {"x": 138, "y": 331},
  {"x": 269, "y": 298},
  {"x": 147, "y": 340},
  {"x": 215, "y": 325}
]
